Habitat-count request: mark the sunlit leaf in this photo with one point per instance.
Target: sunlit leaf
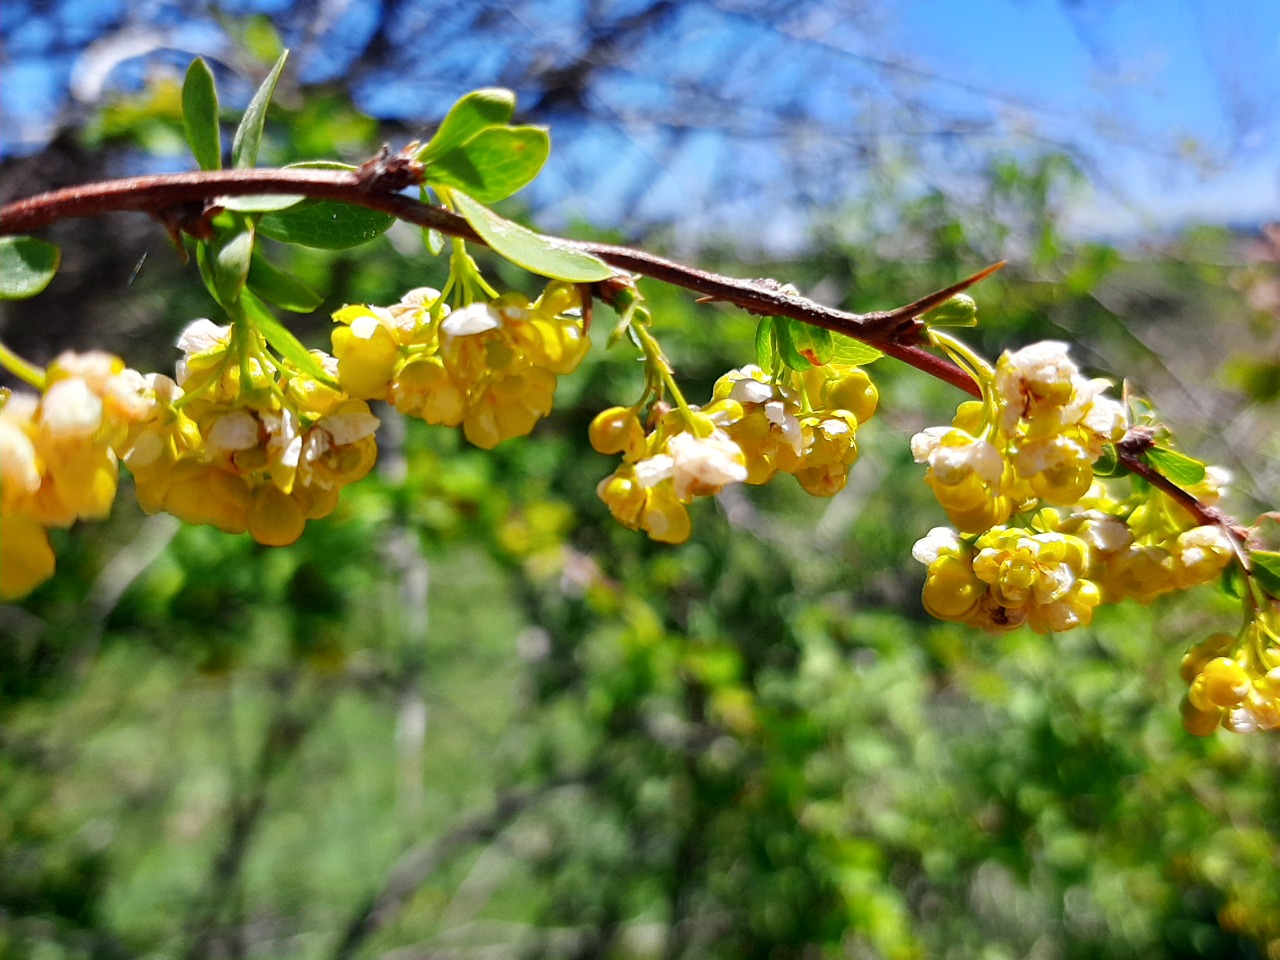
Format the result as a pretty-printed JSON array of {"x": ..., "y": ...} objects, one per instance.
[
  {"x": 1183, "y": 470},
  {"x": 494, "y": 163},
  {"x": 959, "y": 311},
  {"x": 802, "y": 345},
  {"x": 479, "y": 109},
  {"x": 854, "y": 352},
  {"x": 764, "y": 344},
  {"x": 200, "y": 115},
  {"x": 544, "y": 256},
  {"x": 244, "y": 148},
  {"x": 1108, "y": 462},
  {"x": 1266, "y": 570},
  {"x": 26, "y": 266}
]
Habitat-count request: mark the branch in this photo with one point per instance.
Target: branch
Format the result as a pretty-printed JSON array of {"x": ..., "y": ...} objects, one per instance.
[
  {"x": 418, "y": 864},
  {"x": 376, "y": 185},
  {"x": 284, "y": 734},
  {"x": 1129, "y": 451}
]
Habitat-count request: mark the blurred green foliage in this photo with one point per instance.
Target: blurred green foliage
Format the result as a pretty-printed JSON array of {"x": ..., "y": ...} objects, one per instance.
[{"x": 469, "y": 715}]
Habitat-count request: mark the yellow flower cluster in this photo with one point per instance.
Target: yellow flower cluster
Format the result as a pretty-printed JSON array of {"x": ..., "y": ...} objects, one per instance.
[
  {"x": 1007, "y": 577},
  {"x": 752, "y": 430},
  {"x": 1033, "y": 442},
  {"x": 59, "y": 457},
  {"x": 1234, "y": 682},
  {"x": 686, "y": 456},
  {"x": 1144, "y": 545},
  {"x": 243, "y": 442},
  {"x": 1048, "y": 429},
  {"x": 806, "y": 427},
  {"x": 490, "y": 367}
]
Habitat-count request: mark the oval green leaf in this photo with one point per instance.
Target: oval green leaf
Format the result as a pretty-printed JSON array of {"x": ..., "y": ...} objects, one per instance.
[
  {"x": 1183, "y": 470},
  {"x": 326, "y": 224},
  {"x": 491, "y": 107},
  {"x": 26, "y": 266},
  {"x": 959, "y": 311},
  {"x": 283, "y": 289},
  {"x": 764, "y": 344},
  {"x": 545, "y": 256},
  {"x": 244, "y": 148},
  {"x": 785, "y": 330},
  {"x": 1108, "y": 462},
  {"x": 494, "y": 163},
  {"x": 854, "y": 352},
  {"x": 1266, "y": 570},
  {"x": 262, "y": 203},
  {"x": 229, "y": 256},
  {"x": 200, "y": 115}
]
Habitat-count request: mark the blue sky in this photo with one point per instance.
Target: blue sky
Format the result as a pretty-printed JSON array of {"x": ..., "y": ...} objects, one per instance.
[
  {"x": 1174, "y": 100},
  {"x": 1185, "y": 92}
]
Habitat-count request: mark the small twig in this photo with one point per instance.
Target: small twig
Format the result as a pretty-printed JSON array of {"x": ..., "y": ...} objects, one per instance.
[
  {"x": 285, "y": 733},
  {"x": 1129, "y": 454},
  {"x": 417, "y": 865}
]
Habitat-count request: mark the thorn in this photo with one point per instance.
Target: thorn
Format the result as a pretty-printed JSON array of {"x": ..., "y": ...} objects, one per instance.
[{"x": 913, "y": 310}]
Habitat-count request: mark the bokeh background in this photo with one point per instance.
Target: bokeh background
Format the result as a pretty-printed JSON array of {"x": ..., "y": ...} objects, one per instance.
[{"x": 469, "y": 716}]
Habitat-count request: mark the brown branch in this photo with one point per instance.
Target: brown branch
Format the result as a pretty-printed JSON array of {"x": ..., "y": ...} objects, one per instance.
[
  {"x": 895, "y": 332},
  {"x": 375, "y": 185},
  {"x": 1129, "y": 454}
]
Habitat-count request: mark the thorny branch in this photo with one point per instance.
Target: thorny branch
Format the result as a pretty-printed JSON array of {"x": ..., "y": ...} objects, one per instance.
[
  {"x": 184, "y": 201},
  {"x": 187, "y": 199}
]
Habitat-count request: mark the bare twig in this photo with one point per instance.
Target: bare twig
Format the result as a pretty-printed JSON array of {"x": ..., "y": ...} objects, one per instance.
[{"x": 417, "y": 865}]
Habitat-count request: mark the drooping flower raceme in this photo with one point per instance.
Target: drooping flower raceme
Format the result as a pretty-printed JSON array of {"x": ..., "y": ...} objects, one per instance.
[
  {"x": 59, "y": 457},
  {"x": 244, "y": 442},
  {"x": 489, "y": 367}
]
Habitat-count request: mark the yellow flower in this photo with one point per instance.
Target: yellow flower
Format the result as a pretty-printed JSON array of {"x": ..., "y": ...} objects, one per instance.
[{"x": 26, "y": 558}]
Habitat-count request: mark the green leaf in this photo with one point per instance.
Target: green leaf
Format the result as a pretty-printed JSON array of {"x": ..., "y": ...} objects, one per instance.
[
  {"x": 283, "y": 341},
  {"x": 491, "y": 107},
  {"x": 787, "y": 348},
  {"x": 853, "y": 352},
  {"x": 262, "y": 203},
  {"x": 544, "y": 256},
  {"x": 802, "y": 345},
  {"x": 494, "y": 163},
  {"x": 244, "y": 148},
  {"x": 816, "y": 344},
  {"x": 1108, "y": 462},
  {"x": 227, "y": 261},
  {"x": 1183, "y": 470},
  {"x": 959, "y": 311},
  {"x": 325, "y": 224},
  {"x": 200, "y": 115},
  {"x": 271, "y": 202},
  {"x": 320, "y": 165},
  {"x": 26, "y": 266},
  {"x": 1266, "y": 570},
  {"x": 764, "y": 344},
  {"x": 1232, "y": 582},
  {"x": 283, "y": 289},
  {"x": 434, "y": 239}
]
